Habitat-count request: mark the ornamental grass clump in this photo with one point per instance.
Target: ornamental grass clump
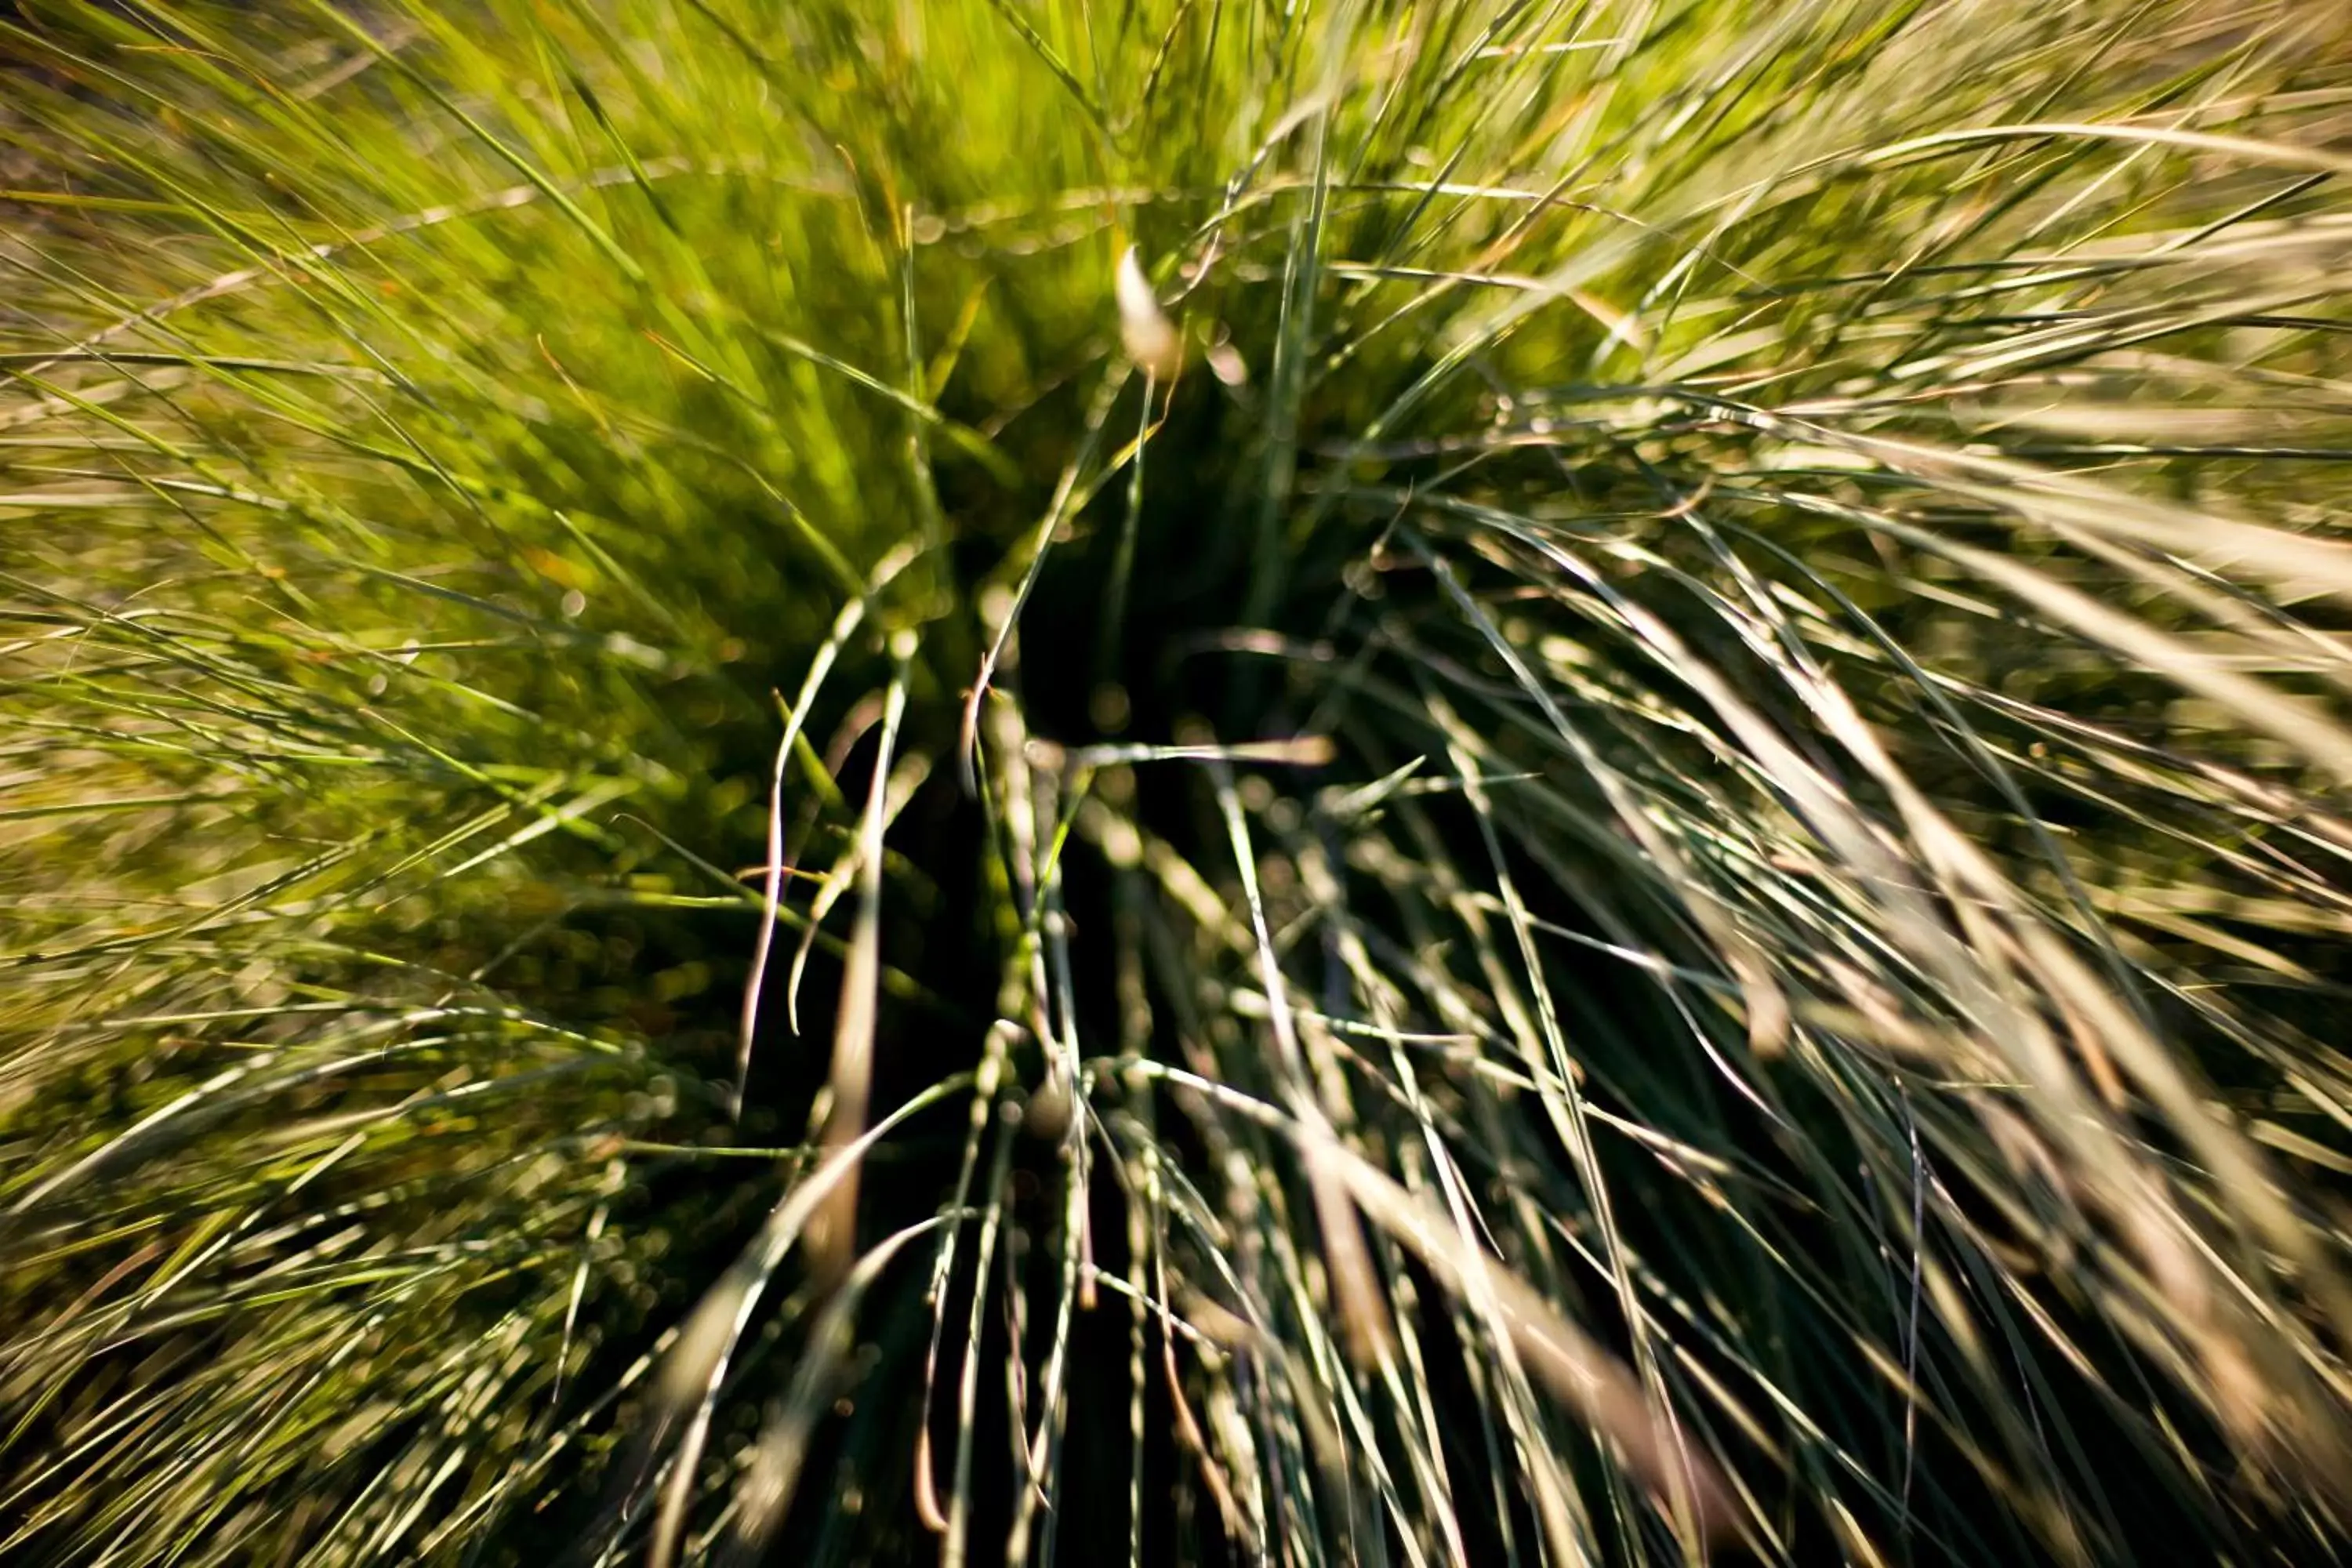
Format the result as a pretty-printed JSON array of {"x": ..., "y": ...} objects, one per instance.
[{"x": 1512, "y": 782}]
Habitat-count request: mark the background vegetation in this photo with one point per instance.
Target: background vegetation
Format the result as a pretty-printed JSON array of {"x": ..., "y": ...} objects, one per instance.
[{"x": 1175, "y": 781}]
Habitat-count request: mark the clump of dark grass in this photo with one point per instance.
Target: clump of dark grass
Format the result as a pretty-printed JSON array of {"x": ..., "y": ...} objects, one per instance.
[{"x": 1186, "y": 780}]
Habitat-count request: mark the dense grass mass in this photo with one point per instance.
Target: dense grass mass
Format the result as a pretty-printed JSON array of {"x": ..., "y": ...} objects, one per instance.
[{"x": 1449, "y": 783}]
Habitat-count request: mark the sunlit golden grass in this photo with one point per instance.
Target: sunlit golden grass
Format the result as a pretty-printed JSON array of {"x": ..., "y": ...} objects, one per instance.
[{"x": 1174, "y": 781}]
